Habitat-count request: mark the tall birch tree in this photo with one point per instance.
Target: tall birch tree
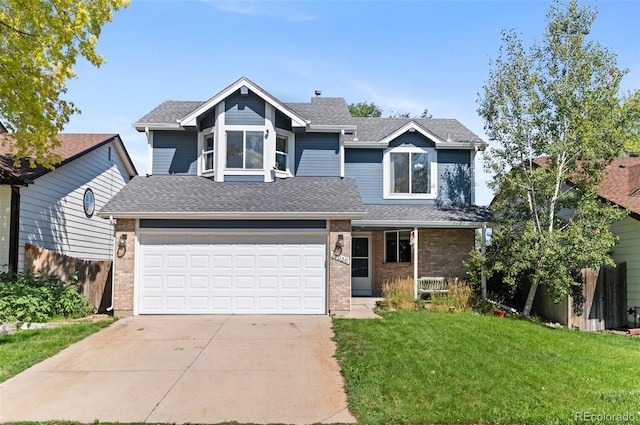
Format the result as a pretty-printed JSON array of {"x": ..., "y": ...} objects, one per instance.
[
  {"x": 40, "y": 41},
  {"x": 552, "y": 116}
]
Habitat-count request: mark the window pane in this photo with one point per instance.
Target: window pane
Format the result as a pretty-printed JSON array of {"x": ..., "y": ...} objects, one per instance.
[
  {"x": 359, "y": 267},
  {"x": 253, "y": 158},
  {"x": 281, "y": 162},
  {"x": 208, "y": 161},
  {"x": 391, "y": 243},
  {"x": 399, "y": 173},
  {"x": 281, "y": 144},
  {"x": 209, "y": 143},
  {"x": 420, "y": 173},
  {"x": 404, "y": 247},
  {"x": 360, "y": 247},
  {"x": 234, "y": 149}
]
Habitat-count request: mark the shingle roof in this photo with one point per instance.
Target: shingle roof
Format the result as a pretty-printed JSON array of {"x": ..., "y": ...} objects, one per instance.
[
  {"x": 417, "y": 215},
  {"x": 622, "y": 183},
  {"x": 169, "y": 112},
  {"x": 327, "y": 111},
  {"x": 376, "y": 129},
  {"x": 146, "y": 196},
  {"x": 72, "y": 145},
  {"x": 324, "y": 111}
]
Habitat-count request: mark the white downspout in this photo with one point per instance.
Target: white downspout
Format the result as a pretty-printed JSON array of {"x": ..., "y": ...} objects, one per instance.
[
  {"x": 415, "y": 263},
  {"x": 341, "y": 152}
]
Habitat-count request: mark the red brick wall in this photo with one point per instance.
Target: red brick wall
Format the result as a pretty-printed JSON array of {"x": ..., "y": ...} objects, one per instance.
[
  {"x": 339, "y": 273},
  {"x": 441, "y": 252},
  {"x": 124, "y": 269}
]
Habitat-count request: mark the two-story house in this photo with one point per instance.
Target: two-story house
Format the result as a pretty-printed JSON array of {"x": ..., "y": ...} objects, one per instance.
[{"x": 252, "y": 205}]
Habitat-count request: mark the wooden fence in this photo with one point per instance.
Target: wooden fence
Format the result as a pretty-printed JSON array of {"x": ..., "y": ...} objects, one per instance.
[
  {"x": 601, "y": 302},
  {"x": 93, "y": 276}
]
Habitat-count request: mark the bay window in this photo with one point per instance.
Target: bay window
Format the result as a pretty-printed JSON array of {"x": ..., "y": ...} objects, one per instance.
[{"x": 245, "y": 150}]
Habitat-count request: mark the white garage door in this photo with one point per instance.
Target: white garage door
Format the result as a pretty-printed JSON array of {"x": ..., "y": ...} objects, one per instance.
[{"x": 209, "y": 274}]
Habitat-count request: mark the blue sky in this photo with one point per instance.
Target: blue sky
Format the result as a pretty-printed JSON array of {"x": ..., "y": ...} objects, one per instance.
[{"x": 403, "y": 55}]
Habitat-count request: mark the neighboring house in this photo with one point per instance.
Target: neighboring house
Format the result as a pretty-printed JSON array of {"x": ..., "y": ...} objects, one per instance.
[
  {"x": 606, "y": 299},
  {"x": 622, "y": 187},
  {"x": 252, "y": 205},
  {"x": 54, "y": 209}
]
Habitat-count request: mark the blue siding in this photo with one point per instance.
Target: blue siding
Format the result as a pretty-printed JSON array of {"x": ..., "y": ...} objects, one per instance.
[
  {"x": 365, "y": 166},
  {"x": 317, "y": 154},
  {"x": 208, "y": 119},
  {"x": 454, "y": 177},
  {"x": 241, "y": 178},
  {"x": 175, "y": 152},
  {"x": 412, "y": 139},
  {"x": 244, "y": 110},
  {"x": 282, "y": 121}
]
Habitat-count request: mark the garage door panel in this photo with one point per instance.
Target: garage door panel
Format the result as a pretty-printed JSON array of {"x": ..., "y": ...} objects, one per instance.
[{"x": 206, "y": 274}]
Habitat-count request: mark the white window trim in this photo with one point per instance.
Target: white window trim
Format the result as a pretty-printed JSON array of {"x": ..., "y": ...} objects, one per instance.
[
  {"x": 290, "y": 153},
  {"x": 210, "y": 131},
  {"x": 397, "y": 232},
  {"x": 386, "y": 173}
]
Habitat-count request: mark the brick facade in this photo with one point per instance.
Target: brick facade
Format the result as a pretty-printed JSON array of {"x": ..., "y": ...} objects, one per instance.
[
  {"x": 441, "y": 252},
  {"x": 124, "y": 269},
  {"x": 339, "y": 273}
]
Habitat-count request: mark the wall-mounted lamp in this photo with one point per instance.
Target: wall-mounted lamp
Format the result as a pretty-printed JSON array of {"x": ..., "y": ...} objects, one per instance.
[
  {"x": 339, "y": 244},
  {"x": 122, "y": 246},
  {"x": 266, "y": 134}
]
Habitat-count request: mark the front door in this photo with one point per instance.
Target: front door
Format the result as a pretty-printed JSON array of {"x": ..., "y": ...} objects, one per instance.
[{"x": 360, "y": 266}]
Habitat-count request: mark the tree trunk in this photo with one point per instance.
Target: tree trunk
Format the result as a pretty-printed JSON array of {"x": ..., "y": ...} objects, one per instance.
[{"x": 532, "y": 294}]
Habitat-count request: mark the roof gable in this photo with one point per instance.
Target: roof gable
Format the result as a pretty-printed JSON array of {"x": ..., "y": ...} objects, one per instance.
[
  {"x": 191, "y": 118},
  {"x": 72, "y": 146}
]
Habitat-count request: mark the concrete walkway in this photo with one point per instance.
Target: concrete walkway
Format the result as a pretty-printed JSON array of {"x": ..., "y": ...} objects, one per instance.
[
  {"x": 180, "y": 369},
  {"x": 361, "y": 308}
]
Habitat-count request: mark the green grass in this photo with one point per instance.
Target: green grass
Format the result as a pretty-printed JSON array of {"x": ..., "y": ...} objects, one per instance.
[
  {"x": 424, "y": 367},
  {"x": 26, "y": 348}
]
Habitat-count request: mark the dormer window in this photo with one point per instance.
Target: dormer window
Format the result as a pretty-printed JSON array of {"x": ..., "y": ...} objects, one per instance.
[
  {"x": 282, "y": 152},
  {"x": 410, "y": 173},
  {"x": 208, "y": 153},
  {"x": 245, "y": 150}
]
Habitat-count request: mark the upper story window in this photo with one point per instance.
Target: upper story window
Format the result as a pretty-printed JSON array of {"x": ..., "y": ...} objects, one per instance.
[
  {"x": 208, "y": 152},
  {"x": 410, "y": 172},
  {"x": 245, "y": 150},
  {"x": 282, "y": 152}
]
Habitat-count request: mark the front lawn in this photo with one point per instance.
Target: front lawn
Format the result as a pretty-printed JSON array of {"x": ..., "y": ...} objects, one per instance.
[
  {"x": 26, "y": 348},
  {"x": 424, "y": 367}
]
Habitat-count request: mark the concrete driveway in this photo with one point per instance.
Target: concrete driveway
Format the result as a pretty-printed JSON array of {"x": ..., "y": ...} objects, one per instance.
[{"x": 179, "y": 369}]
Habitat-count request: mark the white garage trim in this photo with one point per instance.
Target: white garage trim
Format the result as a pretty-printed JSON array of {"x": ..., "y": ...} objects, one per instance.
[{"x": 266, "y": 272}]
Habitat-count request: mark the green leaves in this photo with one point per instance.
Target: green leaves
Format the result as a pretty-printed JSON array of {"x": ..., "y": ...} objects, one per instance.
[
  {"x": 40, "y": 42},
  {"x": 552, "y": 114}
]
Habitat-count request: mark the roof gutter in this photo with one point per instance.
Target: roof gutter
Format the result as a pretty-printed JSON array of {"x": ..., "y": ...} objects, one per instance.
[
  {"x": 428, "y": 224},
  {"x": 331, "y": 128},
  {"x": 236, "y": 215}
]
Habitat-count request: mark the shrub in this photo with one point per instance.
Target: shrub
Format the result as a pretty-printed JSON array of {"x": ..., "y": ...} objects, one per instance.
[
  {"x": 461, "y": 297},
  {"x": 29, "y": 298},
  {"x": 398, "y": 293}
]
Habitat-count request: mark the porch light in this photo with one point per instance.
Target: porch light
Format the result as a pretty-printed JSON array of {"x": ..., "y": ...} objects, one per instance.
[
  {"x": 123, "y": 241},
  {"x": 339, "y": 244}
]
